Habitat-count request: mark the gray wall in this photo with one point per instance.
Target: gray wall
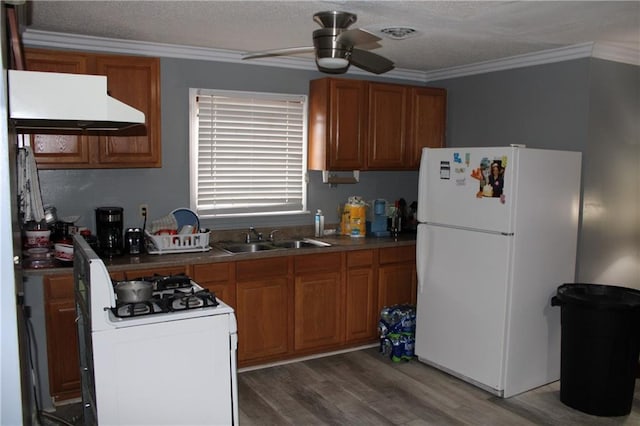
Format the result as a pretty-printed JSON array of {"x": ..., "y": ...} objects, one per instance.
[
  {"x": 585, "y": 105},
  {"x": 544, "y": 106},
  {"x": 79, "y": 192},
  {"x": 610, "y": 238}
]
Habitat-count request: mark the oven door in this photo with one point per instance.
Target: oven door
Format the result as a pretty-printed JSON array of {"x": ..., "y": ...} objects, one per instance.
[{"x": 165, "y": 373}]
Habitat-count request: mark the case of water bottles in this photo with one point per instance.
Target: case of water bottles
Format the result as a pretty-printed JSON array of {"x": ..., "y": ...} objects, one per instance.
[{"x": 397, "y": 327}]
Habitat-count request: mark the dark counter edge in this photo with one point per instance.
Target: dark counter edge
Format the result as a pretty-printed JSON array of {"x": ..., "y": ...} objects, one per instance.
[{"x": 145, "y": 261}]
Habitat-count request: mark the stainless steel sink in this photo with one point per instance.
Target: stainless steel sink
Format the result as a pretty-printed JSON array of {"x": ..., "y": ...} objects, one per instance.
[
  {"x": 298, "y": 244},
  {"x": 294, "y": 244},
  {"x": 234, "y": 248},
  {"x": 247, "y": 248}
]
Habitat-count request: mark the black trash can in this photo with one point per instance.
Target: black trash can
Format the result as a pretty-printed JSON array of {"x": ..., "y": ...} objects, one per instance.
[{"x": 600, "y": 345}]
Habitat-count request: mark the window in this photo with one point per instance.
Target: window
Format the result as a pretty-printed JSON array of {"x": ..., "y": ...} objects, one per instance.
[{"x": 248, "y": 153}]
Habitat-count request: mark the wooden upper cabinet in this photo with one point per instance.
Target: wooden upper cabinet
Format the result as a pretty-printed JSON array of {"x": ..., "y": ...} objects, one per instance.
[
  {"x": 53, "y": 150},
  {"x": 363, "y": 125},
  {"x": 337, "y": 111},
  {"x": 387, "y": 126},
  {"x": 130, "y": 79},
  {"x": 134, "y": 81},
  {"x": 428, "y": 116}
]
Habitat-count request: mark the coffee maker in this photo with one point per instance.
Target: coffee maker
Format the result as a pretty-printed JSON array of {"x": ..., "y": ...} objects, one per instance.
[
  {"x": 379, "y": 219},
  {"x": 109, "y": 231}
]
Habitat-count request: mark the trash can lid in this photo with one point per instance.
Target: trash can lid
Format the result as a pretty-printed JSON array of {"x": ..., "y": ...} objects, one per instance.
[{"x": 599, "y": 296}]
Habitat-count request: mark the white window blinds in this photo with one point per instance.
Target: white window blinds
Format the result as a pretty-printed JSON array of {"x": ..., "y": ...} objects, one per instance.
[{"x": 250, "y": 153}]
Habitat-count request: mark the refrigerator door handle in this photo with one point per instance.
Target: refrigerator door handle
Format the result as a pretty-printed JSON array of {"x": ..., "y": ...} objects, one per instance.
[{"x": 421, "y": 255}]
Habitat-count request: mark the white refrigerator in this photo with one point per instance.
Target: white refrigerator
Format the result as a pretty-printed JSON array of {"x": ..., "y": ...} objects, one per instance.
[{"x": 497, "y": 235}]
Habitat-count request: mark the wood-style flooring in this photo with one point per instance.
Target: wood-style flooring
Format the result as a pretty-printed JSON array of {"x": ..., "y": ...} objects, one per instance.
[{"x": 365, "y": 388}]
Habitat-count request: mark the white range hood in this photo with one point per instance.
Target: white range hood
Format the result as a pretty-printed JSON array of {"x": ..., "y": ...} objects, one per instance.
[{"x": 45, "y": 102}]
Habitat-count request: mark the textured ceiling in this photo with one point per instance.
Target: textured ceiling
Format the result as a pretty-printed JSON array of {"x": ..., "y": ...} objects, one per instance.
[{"x": 449, "y": 33}]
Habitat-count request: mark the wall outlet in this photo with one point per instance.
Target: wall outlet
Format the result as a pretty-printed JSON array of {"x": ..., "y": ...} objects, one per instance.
[{"x": 144, "y": 210}]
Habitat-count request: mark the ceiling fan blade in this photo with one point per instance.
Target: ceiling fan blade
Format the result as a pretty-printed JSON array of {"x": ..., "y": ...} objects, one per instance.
[
  {"x": 356, "y": 36},
  {"x": 279, "y": 52},
  {"x": 371, "y": 62}
]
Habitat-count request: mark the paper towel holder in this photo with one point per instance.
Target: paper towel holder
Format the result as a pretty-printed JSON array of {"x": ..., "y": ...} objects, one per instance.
[{"x": 333, "y": 179}]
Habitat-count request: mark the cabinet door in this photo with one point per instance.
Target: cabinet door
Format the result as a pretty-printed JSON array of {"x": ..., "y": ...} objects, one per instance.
[
  {"x": 397, "y": 279},
  {"x": 263, "y": 313},
  {"x": 319, "y": 302},
  {"x": 397, "y": 284},
  {"x": 55, "y": 151},
  {"x": 387, "y": 126},
  {"x": 136, "y": 82},
  {"x": 337, "y": 111},
  {"x": 262, "y": 318},
  {"x": 218, "y": 278},
  {"x": 62, "y": 337},
  {"x": 361, "y": 296},
  {"x": 317, "y": 310},
  {"x": 427, "y": 121}
]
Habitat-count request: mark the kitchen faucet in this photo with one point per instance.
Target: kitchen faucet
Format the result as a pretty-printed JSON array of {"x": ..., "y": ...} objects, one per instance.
[
  {"x": 252, "y": 230},
  {"x": 272, "y": 234}
]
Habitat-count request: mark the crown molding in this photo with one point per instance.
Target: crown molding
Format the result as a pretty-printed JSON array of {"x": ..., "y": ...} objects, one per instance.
[
  {"x": 519, "y": 61},
  {"x": 48, "y": 39},
  {"x": 55, "y": 40},
  {"x": 617, "y": 53}
]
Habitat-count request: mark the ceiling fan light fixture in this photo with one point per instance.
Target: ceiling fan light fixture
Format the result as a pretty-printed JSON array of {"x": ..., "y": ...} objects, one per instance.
[{"x": 332, "y": 63}]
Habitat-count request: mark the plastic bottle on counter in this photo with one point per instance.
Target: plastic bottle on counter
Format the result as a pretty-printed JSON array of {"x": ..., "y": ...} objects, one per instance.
[{"x": 319, "y": 222}]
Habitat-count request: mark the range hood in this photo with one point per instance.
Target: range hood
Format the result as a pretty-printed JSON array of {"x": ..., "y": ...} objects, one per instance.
[{"x": 46, "y": 102}]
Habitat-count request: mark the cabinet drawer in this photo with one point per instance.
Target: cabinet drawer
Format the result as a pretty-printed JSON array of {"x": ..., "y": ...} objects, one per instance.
[
  {"x": 212, "y": 272},
  {"x": 318, "y": 262},
  {"x": 397, "y": 254},
  {"x": 261, "y": 268},
  {"x": 359, "y": 258}
]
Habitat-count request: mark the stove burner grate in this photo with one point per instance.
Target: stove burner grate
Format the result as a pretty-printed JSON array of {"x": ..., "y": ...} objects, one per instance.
[
  {"x": 128, "y": 310},
  {"x": 172, "y": 293},
  {"x": 182, "y": 300}
]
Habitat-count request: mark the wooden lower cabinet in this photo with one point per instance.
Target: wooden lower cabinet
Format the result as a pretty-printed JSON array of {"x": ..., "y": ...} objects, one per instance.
[
  {"x": 361, "y": 311},
  {"x": 397, "y": 279},
  {"x": 263, "y": 312},
  {"x": 218, "y": 278},
  {"x": 285, "y": 306},
  {"x": 318, "y": 301},
  {"x": 62, "y": 337}
]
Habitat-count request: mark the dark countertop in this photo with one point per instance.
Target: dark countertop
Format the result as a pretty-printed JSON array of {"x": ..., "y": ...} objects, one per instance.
[{"x": 146, "y": 261}]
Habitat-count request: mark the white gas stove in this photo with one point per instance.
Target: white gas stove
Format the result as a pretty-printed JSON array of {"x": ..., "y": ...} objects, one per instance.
[{"x": 169, "y": 360}]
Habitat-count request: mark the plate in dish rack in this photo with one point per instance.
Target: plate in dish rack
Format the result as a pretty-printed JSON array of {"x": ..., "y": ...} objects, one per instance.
[{"x": 187, "y": 217}]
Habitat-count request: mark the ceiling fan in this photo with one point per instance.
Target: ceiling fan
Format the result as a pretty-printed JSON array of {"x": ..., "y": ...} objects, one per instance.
[{"x": 335, "y": 46}]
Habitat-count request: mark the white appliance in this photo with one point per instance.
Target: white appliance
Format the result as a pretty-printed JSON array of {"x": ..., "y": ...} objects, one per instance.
[
  {"x": 40, "y": 101},
  {"x": 489, "y": 259},
  {"x": 153, "y": 367}
]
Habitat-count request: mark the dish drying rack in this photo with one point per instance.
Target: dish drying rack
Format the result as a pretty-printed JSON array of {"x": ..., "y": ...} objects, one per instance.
[{"x": 177, "y": 243}]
